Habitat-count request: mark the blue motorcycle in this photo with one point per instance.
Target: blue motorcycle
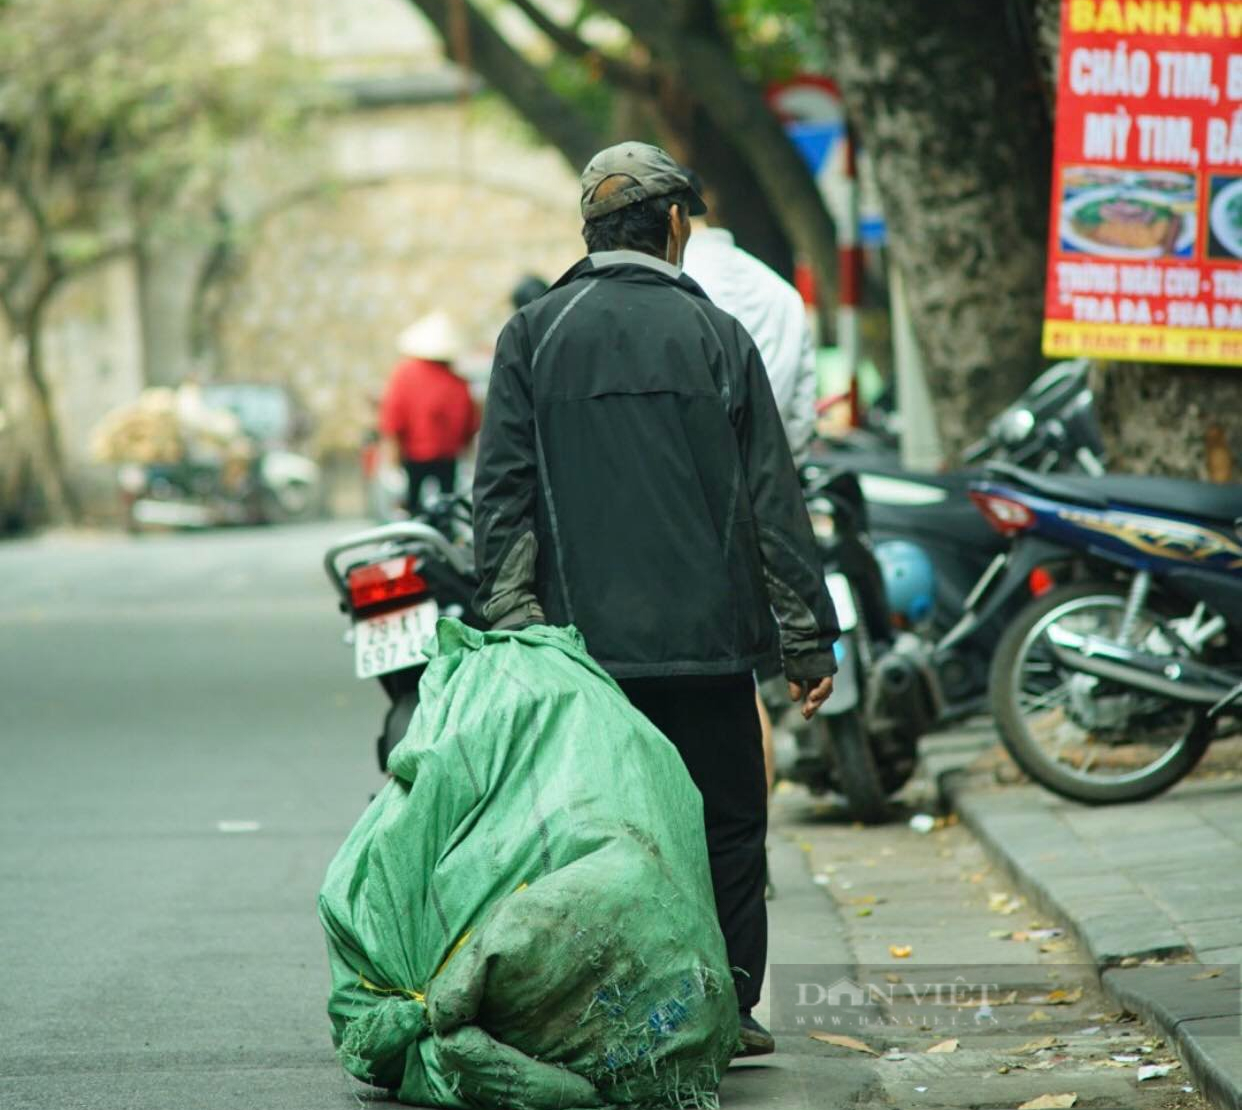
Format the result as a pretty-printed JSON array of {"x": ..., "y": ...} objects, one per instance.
[{"x": 1109, "y": 684}]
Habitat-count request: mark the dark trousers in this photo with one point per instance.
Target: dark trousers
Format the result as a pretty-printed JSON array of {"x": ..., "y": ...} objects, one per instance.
[
  {"x": 713, "y": 723},
  {"x": 427, "y": 479}
]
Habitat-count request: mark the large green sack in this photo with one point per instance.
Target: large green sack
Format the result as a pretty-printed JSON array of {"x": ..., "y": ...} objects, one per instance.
[{"x": 523, "y": 918}]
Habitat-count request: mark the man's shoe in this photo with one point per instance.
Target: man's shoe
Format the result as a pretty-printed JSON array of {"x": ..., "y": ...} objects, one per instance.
[{"x": 756, "y": 1041}]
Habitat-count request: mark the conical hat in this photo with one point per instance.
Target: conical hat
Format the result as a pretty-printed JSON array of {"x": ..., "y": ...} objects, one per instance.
[{"x": 433, "y": 337}]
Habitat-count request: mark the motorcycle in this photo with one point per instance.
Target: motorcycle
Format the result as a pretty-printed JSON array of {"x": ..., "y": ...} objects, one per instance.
[
  {"x": 1051, "y": 426},
  {"x": 393, "y": 583},
  {"x": 862, "y": 744},
  {"x": 1110, "y": 682},
  {"x": 256, "y": 479}
]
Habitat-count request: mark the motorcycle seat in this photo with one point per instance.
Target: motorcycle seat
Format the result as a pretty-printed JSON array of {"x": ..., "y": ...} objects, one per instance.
[{"x": 1181, "y": 496}]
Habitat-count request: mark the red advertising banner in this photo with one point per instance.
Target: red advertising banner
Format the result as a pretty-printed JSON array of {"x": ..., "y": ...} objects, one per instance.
[{"x": 1145, "y": 244}]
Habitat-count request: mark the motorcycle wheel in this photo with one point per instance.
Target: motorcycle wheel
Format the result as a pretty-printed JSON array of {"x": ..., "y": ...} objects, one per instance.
[
  {"x": 856, "y": 774},
  {"x": 1056, "y": 724},
  {"x": 396, "y": 722}
]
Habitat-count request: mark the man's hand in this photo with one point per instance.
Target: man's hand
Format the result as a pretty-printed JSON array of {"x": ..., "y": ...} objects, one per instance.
[{"x": 812, "y": 693}]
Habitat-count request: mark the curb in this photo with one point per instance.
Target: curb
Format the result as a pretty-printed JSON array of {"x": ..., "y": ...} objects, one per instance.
[{"x": 1199, "y": 1016}]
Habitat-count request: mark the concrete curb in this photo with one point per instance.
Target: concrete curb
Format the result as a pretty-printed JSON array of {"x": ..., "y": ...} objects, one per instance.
[{"x": 1200, "y": 1017}]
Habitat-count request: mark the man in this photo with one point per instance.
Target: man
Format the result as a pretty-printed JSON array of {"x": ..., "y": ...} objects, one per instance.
[
  {"x": 771, "y": 311},
  {"x": 633, "y": 479},
  {"x": 427, "y": 417}
]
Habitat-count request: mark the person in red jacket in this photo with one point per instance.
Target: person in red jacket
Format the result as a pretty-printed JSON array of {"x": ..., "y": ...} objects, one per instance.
[{"x": 428, "y": 417}]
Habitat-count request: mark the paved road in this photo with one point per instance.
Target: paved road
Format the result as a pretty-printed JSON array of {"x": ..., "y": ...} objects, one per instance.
[
  {"x": 148, "y": 692},
  {"x": 155, "y": 694}
]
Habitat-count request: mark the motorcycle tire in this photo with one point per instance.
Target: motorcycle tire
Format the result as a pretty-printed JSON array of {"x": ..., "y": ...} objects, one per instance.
[
  {"x": 396, "y": 722},
  {"x": 1003, "y": 689},
  {"x": 856, "y": 774}
]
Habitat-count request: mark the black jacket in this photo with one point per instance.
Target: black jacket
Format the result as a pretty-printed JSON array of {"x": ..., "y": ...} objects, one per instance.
[{"x": 633, "y": 479}]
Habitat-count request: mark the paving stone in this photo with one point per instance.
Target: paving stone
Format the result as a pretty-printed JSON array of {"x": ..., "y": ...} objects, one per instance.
[
  {"x": 1215, "y": 1061},
  {"x": 1220, "y": 933},
  {"x": 1158, "y": 877}
]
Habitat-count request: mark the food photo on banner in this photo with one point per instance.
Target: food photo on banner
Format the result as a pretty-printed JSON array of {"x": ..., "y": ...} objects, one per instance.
[{"x": 1145, "y": 237}]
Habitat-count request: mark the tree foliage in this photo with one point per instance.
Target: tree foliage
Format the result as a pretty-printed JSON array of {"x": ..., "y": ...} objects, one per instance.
[{"x": 118, "y": 119}]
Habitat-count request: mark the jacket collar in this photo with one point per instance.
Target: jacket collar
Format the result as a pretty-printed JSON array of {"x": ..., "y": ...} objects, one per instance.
[
  {"x": 599, "y": 259},
  {"x": 633, "y": 265}
]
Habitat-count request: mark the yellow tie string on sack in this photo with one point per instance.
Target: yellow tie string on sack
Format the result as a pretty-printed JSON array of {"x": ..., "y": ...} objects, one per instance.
[{"x": 420, "y": 996}]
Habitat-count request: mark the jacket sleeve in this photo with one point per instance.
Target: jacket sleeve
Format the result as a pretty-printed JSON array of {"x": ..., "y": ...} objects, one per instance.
[
  {"x": 792, "y": 567},
  {"x": 505, "y": 480}
]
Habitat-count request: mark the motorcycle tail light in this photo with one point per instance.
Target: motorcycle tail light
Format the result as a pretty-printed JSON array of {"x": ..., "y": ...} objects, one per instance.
[
  {"x": 1007, "y": 516},
  {"x": 391, "y": 580},
  {"x": 1040, "y": 582}
]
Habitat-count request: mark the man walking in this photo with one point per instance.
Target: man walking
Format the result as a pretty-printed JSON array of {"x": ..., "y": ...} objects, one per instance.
[{"x": 633, "y": 479}]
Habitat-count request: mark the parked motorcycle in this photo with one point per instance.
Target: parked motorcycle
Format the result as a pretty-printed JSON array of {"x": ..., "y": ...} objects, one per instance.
[
  {"x": 257, "y": 479},
  {"x": 862, "y": 744},
  {"x": 1109, "y": 684},
  {"x": 394, "y": 582},
  {"x": 1051, "y": 426}
]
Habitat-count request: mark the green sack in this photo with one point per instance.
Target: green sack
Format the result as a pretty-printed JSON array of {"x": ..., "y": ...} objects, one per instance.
[{"x": 524, "y": 918}]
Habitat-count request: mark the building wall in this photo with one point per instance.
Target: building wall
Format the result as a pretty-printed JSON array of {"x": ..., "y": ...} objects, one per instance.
[{"x": 434, "y": 212}]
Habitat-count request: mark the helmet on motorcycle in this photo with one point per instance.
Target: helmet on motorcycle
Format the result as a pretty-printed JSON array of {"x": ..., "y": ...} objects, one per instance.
[{"x": 909, "y": 579}]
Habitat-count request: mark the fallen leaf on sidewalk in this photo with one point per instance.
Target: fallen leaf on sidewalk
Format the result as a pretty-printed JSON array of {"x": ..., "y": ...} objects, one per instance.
[
  {"x": 892, "y": 977},
  {"x": 1038, "y": 1015},
  {"x": 1057, "y": 946},
  {"x": 1214, "y": 973},
  {"x": 842, "y": 1041},
  {"x": 1004, "y": 903},
  {"x": 864, "y": 900},
  {"x": 864, "y": 911},
  {"x": 1050, "y": 1102},
  {"x": 945, "y": 1046},
  {"x": 1031, "y": 1047},
  {"x": 900, "y": 951}
]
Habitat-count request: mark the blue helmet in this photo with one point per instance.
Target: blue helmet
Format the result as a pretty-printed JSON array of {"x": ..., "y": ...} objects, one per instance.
[{"x": 909, "y": 579}]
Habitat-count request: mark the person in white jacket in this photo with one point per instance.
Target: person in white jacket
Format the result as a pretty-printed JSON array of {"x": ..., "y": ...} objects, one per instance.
[{"x": 771, "y": 310}]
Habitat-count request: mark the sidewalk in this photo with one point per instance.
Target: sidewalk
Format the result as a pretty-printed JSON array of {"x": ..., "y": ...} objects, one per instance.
[{"x": 1154, "y": 892}]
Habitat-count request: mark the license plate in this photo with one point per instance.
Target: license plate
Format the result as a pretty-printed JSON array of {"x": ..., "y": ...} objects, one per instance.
[
  {"x": 394, "y": 641},
  {"x": 842, "y": 600}
]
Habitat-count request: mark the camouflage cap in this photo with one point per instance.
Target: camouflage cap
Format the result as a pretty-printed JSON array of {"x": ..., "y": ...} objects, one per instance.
[{"x": 652, "y": 172}]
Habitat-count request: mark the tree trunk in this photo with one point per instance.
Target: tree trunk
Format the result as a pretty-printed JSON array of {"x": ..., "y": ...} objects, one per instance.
[
  {"x": 946, "y": 99},
  {"x": 1184, "y": 421},
  {"x": 47, "y": 455},
  {"x": 168, "y": 273},
  {"x": 517, "y": 80}
]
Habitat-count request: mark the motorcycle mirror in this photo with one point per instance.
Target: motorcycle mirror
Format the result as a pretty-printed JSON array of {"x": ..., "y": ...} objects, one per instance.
[{"x": 1015, "y": 425}]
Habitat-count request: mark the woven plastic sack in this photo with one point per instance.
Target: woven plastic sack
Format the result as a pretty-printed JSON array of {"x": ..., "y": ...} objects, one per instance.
[{"x": 523, "y": 918}]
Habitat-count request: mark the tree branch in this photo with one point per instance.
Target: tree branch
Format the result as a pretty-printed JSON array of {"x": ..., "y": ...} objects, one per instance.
[
  {"x": 623, "y": 74},
  {"x": 518, "y": 81}
]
